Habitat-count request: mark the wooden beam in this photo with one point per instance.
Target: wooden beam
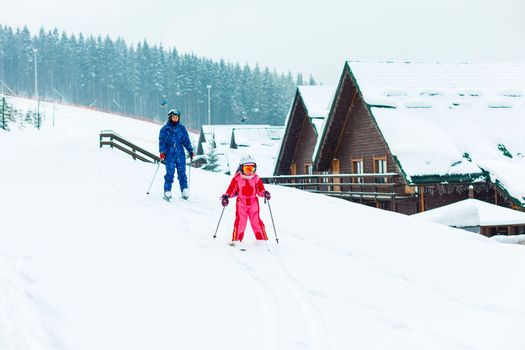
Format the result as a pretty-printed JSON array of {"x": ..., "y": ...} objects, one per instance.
[
  {"x": 344, "y": 125},
  {"x": 336, "y": 170},
  {"x": 299, "y": 137},
  {"x": 421, "y": 199}
]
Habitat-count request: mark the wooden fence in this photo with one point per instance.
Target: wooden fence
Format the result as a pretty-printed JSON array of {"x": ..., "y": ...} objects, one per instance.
[{"x": 114, "y": 140}]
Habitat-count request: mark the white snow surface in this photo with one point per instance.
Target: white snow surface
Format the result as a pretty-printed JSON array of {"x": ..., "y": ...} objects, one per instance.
[
  {"x": 450, "y": 110},
  {"x": 473, "y": 212},
  {"x": 452, "y": 215},
  {"x": 514, "y": 239},
  {"x": 89, "y": 261}
]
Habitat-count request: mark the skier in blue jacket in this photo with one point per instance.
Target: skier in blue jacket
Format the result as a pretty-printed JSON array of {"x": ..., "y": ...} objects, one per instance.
[{"x": 173, "y": 138}]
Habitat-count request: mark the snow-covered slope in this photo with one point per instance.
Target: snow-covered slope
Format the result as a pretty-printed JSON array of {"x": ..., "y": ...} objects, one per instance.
[{"x": 101, "y": 265}]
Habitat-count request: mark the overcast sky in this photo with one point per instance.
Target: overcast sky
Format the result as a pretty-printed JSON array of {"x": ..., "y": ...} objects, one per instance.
[{"x": 314, "y": 37}]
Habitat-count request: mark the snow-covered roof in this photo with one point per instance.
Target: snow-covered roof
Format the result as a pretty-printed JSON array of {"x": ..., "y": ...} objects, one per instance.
[
  {"x": 450, "y": 119},
  {"x": 261, "y": 141},
  {"x": 265, "y": 157},
  {"x": 473, "y": 212},
  {"x": 317, "y": 99},
  {"x": 222, "y": 133},
  {"x": 265, "y": 135}
]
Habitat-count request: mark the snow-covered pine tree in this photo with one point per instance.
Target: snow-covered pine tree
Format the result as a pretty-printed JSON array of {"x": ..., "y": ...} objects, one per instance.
[
  {"x": 103, "y": 73},
  {"x": 28, "y": 118},
  {"x": 300, "y": 79},
  {"x": 6, "y": 114},
  {"x": 37, "y": 119},
  {"x": 212, "y": 160},
  {"x": 311, "y": 80}
]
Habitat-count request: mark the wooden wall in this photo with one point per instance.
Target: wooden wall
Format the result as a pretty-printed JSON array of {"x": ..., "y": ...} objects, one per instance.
[
  {"x": 361, "y": 138},
  {"x": 305, "y": 146},
  {"x": 291, "y": 137}
]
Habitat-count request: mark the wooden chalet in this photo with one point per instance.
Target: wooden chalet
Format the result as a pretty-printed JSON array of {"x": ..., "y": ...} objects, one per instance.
[
  {"x": 257, "y": 136},
  {"x": 304, "y": 123},
  {"x": 409, "y": 137},
  {"x": 261, "y": 142},
  {"x": 230, "y": 142},
  {"x": 218, "y": 137}
]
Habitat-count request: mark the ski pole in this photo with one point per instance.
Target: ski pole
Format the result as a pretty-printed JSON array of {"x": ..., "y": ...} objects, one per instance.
[
  {"x": 273, "y": 223},
  {"x": 189, "y": 174},
  {"x": 217, "y": 229},
  {"x": 158, "y": 166}
]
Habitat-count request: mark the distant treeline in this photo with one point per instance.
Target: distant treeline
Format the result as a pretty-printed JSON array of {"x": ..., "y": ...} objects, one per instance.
[{"x": 111, "y": 75}]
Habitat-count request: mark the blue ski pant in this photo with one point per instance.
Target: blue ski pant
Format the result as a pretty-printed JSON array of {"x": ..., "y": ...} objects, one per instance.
[{"x": 172, "y": 163}]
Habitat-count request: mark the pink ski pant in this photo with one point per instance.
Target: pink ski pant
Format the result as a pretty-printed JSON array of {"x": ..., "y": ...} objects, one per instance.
[{"x": 245, "y": 212}]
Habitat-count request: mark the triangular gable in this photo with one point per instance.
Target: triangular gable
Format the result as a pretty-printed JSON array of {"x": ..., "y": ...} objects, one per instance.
[
  {"x": 449, "y": 122},
  {"x": 315, "y": 102}
]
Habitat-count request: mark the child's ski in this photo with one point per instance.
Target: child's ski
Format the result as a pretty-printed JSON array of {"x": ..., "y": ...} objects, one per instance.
[{"x": 231, "y": 244}]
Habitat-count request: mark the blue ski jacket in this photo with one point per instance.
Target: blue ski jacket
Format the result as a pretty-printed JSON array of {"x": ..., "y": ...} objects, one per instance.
[{"x": 173, "y": 138}]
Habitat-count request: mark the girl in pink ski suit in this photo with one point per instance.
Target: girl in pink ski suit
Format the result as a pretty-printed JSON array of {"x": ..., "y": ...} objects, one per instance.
[{"x": 246, "y": 185}]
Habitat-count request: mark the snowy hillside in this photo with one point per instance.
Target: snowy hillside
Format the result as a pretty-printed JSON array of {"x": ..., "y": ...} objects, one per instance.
[{"x": 89, "y": 261}]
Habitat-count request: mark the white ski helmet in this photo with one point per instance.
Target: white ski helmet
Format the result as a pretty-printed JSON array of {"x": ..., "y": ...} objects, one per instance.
[{"x": 247, "y": 159}]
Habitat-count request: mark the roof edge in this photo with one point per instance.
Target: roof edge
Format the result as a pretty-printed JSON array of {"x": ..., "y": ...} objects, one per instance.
[
  {"x": 287, "y": 129},
  {"x": 329, "y": 117}
]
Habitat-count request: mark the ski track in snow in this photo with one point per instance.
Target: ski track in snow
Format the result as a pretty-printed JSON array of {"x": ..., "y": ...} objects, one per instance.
[
  {"x": 23, "y": 310},
  {"x": 430, "y": 285},
  {"x": 272, "y": 316},
  {"x": 316, "y": 325},
  {"x": 276, "y": 310}
]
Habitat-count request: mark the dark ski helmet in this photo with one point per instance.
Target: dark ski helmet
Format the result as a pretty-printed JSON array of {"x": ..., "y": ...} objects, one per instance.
[{"x": 173, "y": 112}]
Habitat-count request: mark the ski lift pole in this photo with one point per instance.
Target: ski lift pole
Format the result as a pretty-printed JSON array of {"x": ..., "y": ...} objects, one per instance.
[
  {"x": 217, "y": 229},
  {"x": 158, "y": 166},
  {"x": 273, "y": 223}
]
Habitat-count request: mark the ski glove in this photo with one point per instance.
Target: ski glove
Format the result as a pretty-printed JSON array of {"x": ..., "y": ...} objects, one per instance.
[
  {"x": 162, "y": 156},
  {"x": 267, "y": 195},
  {"x": 192, "y": 155},
  {"x": 225, "y": 200}
]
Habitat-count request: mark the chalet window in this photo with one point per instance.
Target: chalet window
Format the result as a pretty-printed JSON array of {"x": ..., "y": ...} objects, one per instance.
[
  {"x": 308, "y": 169},
  {"x": 357, "y": 168},
  {"x": 293, "y": 169},
  {"x": 380, "y": 168}
]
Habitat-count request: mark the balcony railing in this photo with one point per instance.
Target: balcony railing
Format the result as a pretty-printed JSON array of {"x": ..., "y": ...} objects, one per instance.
[{"x": 385, "y": 186}]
